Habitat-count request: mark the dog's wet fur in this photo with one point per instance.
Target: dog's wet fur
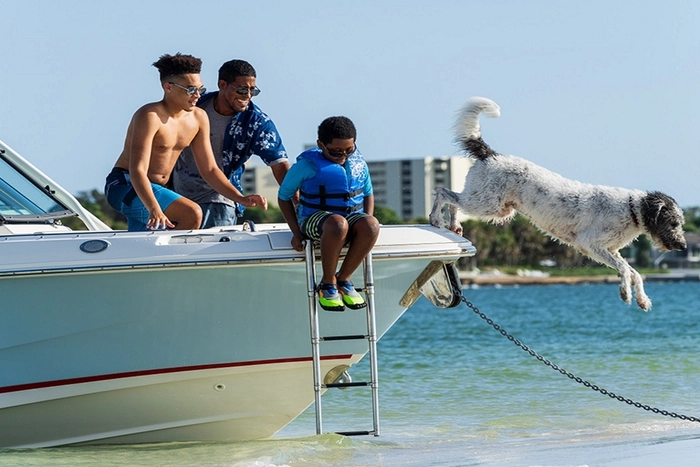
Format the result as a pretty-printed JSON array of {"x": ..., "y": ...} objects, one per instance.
[{"x": 597, "y": 220}]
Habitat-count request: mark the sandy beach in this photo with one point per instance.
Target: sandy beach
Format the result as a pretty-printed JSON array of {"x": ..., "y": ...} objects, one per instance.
[{"x": 533, "y": 278}]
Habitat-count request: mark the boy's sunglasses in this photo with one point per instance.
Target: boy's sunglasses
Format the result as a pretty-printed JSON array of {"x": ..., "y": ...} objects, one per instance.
[
  {"x": 340, "y": 154},
  {"x": 191, "y": 90}
]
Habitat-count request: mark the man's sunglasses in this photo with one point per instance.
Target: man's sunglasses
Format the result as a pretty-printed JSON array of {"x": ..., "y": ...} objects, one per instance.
[
  {"x": 191, "y": 90},
  {"x": 244, "y": 90}
]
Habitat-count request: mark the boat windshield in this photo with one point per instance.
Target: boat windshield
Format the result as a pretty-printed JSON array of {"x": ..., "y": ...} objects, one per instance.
[{"x": 22, "y": 201}]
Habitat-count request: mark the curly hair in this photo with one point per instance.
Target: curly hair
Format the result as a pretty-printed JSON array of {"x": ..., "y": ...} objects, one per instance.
[
  {"x": 170, "y": 66},
  {"x": 232, "y": 69},
  {"x": 336, "y": 127}
]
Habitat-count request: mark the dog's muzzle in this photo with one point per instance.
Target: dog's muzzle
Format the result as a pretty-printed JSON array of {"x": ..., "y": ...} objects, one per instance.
[{"x": 680, "y": 246}]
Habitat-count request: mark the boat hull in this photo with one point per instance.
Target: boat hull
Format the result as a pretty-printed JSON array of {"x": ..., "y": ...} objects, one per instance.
[
  {"x": 164, "y": 337},
  {"x": 229, "y": 402}
]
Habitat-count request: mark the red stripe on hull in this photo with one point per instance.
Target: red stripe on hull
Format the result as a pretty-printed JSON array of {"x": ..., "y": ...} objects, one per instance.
[{"x": 159, "y": 371}]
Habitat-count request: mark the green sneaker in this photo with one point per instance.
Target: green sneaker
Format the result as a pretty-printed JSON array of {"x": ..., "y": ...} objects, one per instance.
[
  {"x": 351, "y": 298},
  {"x": 329, "y": 298}
]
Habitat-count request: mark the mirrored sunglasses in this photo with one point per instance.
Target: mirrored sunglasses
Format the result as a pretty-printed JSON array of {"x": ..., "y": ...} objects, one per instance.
[
  {"x": 191, "y": 90},
  {"x": 244, "y": 90}
]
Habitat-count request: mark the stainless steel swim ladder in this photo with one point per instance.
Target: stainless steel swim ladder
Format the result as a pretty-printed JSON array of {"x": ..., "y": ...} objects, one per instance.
[{"x": 316, "y": 339}]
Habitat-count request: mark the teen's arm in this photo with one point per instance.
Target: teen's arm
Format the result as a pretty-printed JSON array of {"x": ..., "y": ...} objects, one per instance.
[{"x": 144, "y": 126}]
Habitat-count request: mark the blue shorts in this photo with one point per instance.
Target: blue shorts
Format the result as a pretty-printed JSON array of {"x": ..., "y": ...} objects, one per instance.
[
  {"x": 121, "y": 196},
  {"x": 312, "y": 226}
]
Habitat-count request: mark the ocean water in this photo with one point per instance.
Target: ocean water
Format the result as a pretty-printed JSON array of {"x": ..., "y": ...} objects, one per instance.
[{"x": 455, "y": 392}]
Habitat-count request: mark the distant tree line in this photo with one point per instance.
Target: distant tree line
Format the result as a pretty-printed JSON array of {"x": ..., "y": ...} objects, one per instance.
[
  {"x": 516, "y": 244},
  {"x": 95, "y": 202}
]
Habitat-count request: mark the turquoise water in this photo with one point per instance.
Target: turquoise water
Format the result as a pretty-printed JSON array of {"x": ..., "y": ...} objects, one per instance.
[{"x": 455, "y": 392}]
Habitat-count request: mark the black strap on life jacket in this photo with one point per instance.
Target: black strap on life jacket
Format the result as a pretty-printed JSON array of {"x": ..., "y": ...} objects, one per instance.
[
  {"x": 322, "y": 195},
  {"x": 323, "y": 198}
]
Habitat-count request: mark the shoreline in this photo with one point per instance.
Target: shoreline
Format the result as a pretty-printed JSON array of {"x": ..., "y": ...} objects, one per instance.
[{"x": 509, "y": 279}]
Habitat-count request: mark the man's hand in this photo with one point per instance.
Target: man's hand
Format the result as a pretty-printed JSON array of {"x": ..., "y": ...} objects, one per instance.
[{"x": 254, "y": 201}]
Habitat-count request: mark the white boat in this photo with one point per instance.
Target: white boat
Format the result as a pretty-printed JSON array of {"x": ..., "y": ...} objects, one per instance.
[{"x": 131, "y": 337}]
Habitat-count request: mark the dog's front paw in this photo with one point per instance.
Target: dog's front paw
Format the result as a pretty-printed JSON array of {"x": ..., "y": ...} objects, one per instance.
[
  {"x": 644, "y": 302},
  {"x": 626, "y": 294},
  {"x": 457, "y": 228}
]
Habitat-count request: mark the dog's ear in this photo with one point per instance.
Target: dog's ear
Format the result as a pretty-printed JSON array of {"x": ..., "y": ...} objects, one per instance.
[
  {"x": 656, "y": 205},
  {"x": 653, "y": 206}
]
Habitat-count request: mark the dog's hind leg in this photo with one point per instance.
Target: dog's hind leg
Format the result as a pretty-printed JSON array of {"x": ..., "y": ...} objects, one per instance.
[
  {"x": 455, "y": 226},
  {"x": 628, "y": 277},
  {"x": 445, "y": 196}
]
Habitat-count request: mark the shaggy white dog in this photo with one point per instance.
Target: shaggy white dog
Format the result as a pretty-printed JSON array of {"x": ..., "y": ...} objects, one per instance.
[{"x": 597, "y": 220}]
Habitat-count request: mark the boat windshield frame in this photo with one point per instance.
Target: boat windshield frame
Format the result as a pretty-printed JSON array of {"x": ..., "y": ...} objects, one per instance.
[{"x": 24, "y": 201}]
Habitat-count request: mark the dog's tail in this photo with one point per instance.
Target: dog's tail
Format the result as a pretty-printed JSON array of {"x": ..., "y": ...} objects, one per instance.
[{"x": 467, "y": 127}]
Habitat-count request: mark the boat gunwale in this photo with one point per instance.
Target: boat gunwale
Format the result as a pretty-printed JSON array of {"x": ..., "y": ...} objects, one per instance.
[
  {"x": 272, "y": 255},
  {"x": 452, "y": 254}
]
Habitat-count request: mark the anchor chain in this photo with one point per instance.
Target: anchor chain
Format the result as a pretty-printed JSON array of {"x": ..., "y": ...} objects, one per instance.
[{"x": 570, "y": 375}]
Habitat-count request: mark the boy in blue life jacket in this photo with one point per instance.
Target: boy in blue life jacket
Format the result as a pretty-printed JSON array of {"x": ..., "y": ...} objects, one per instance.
[{"x": 336, "y": 206}]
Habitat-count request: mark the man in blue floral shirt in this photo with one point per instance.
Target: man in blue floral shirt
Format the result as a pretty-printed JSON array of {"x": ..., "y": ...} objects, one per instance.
[{"x": 239, "y": 130}]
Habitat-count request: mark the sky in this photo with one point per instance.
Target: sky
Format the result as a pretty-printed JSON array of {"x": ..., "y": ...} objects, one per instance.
[{"x": 602, "y": 91}]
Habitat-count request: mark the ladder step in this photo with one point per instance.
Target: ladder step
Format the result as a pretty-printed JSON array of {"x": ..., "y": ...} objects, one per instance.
[
  {"x": 356, "y": 433},
  {"x": 346, "y": 385},
  {"x": 344, "y": 338},
  {"x": 370, "y": 338}
]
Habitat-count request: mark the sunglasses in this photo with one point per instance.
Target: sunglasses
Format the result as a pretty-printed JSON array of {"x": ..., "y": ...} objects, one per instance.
[
  {"x": 191, "y": 90},
  {"x": 244, "y": 90},
  {"x": 340, "y": 154}
]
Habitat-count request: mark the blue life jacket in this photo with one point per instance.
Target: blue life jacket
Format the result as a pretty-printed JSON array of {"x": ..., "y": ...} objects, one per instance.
[{"x": 331, "y": 189}]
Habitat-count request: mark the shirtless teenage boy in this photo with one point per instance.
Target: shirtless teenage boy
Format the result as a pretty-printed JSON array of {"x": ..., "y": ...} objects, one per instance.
[{"x": 157, "y": 134}]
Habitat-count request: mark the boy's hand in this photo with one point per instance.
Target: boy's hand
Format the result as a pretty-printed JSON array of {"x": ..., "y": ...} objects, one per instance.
[
  {"x": 157, "y": 220},
  {"x": 298, "y": 242}
]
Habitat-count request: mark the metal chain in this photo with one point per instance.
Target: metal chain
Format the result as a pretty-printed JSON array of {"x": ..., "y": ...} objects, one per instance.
[{"x": 571, "y": 375}]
